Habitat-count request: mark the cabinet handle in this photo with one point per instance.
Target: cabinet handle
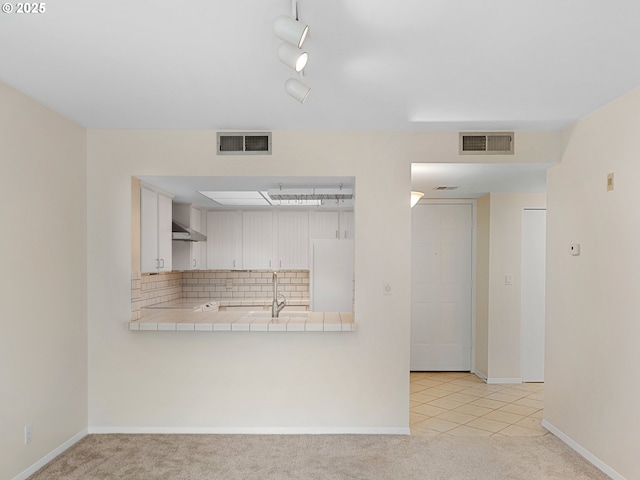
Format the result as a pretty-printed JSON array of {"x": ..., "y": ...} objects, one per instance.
[
  {"x": 194, "y": 263},
  {"x": 280, "y": 263},
  {"x": 345, "y": 234},
  {"x": 234, "y": 264},
  {"x": 337, "y": 234},
  {"x": 162, "y": 264},
  {"x": 269, "y": 263}
]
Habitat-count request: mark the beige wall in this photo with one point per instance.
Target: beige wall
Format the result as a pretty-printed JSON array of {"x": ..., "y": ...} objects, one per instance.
[
  {"x": 343, "y": 381},
  {"x": 593, "y": 300},
  {"x": 43, "y": 344},
  {"x": 255, "y": 381},
  {"x": 498, "y": 306}
]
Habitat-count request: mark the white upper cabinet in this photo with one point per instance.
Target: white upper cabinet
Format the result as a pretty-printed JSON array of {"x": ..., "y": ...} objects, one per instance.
[
  {"x": 293, "y": 240},
  {"x": 155, "y": 231},
  {"x": 224, "y": 240},
  {"x": 346, "y": 224},
  {"x": 257, "y": 240},
  {"x": 270, "y": 239},
  {"x": 187, "y": 255},
  {"x": 327, "y": 225}
]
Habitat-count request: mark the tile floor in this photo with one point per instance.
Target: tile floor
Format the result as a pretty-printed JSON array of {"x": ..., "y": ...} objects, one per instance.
[{"x": 452, "y": 403}]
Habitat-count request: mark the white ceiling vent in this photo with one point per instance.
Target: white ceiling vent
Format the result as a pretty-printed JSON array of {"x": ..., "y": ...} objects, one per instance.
[
  {"x": 242, "y": 143},
  {"x": 486, "y": 143}
]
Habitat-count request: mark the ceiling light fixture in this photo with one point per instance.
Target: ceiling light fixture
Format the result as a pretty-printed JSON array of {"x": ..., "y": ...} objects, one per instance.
[
  {"x": 297, "y": 89},
  {"x": 415, "y": 197},
  {"x": 294, "y": 32},
  {"x": 291, "y": 30},
  {"x": 293, "y": 56}
]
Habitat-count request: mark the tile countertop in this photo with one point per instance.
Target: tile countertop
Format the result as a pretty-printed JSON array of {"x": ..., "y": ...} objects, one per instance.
[{"x": 230, "y": 321}]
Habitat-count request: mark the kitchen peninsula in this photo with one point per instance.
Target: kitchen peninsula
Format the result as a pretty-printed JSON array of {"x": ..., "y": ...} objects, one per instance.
[{"x": 226, "y": 300}]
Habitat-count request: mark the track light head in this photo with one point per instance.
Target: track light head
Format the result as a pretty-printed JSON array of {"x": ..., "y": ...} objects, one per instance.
[
  {"x": 290, "y": 30},
  {"x": 292, "y": 56},
  {"x": 297, "y": 89}
]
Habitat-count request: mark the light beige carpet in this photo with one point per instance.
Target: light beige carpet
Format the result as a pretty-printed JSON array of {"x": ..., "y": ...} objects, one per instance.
[{"x": 327, "y": 457}]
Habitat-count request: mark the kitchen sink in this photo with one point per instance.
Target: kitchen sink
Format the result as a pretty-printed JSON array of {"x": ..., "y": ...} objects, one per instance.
[{"x": 284, "y": 316}]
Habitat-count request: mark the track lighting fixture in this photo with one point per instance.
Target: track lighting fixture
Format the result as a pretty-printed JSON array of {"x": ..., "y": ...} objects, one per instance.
[
  {"x": 290, "y": 30},
  {"x": 294, "y": 32},
  {"x": 297, "y": 89},
  {"x": 292, "y": 56}
]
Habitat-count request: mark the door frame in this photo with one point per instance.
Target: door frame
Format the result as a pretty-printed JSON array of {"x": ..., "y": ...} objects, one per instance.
[{"x": 474, "y": 227}]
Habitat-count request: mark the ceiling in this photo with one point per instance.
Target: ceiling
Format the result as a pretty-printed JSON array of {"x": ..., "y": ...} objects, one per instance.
[
  {"x": 472, "y": 180},
  {"x": 374, "y": 64},
  {"x": 410, "y": 65}
]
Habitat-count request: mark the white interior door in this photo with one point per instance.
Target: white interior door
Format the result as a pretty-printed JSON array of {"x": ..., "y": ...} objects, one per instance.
[
  {"x": 441, "y": 287},
  {"x": 533, "y": 294}
]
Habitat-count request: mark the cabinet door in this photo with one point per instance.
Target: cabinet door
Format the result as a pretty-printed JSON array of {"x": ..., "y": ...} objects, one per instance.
[
  {"x": 293, "y": 240},
  {"x": 164, "y": 233},
  {"x": 257, "y": 240},
  {"x": 346, "y": 225},
  {"x": 224, "y": 240},
  {"x": 148, "y": 231},
  {"x": 196, "y": 247},
  {"x": 325, "y": 225}
]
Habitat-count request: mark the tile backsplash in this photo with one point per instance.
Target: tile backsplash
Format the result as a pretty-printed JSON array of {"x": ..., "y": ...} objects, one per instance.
[{"x": 232, "y": 286}]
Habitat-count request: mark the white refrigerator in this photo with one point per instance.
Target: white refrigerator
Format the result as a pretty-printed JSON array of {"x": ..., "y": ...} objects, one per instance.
[{"x": 331, "y": 275}]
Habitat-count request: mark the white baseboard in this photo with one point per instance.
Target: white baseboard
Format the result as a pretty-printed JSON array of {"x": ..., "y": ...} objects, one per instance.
[
  {"x": 497, "y": 381},
  {"x": 253, "y": 430},
  {"x": 583, "y": 451},
  {"x": 51, "y": 455},
  {"x": 480, "y": 375}
]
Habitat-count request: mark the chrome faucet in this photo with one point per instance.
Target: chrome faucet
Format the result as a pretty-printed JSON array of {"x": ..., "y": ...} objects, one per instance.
[{"x": 276, "y": 307}]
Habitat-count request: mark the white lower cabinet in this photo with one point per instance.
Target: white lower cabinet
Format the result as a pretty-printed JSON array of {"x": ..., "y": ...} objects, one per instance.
[{"x": 155, "y": 231}]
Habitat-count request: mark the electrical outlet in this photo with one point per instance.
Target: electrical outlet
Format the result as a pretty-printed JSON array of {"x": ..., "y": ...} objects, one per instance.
[{"x": 28, "y": 433}]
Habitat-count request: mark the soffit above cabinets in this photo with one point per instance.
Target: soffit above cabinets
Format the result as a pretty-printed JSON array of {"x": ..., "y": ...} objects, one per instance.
[{"x": 213, "y": 192}]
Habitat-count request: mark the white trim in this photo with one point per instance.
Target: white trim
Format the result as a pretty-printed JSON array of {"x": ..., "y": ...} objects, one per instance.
[
  {"x": 51, "y": 455},
  {"x": 498, "y": 381},
  {"x": 583, "y": 451},
  {"x": 480, "y": 375},
  {"x": 254, "y": 430}
]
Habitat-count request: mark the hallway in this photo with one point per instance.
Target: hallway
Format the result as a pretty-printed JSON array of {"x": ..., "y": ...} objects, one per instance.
[{"x": 460, "y": 404}]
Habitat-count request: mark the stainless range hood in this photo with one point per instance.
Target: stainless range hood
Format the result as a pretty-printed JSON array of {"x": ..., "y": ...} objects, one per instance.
[{"x": 185, "y": 234}]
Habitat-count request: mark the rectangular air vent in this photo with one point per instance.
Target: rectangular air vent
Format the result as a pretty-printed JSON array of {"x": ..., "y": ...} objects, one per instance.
[
  {"x": 242, "y": 143},
  {"x": 486, "y": 143}
]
